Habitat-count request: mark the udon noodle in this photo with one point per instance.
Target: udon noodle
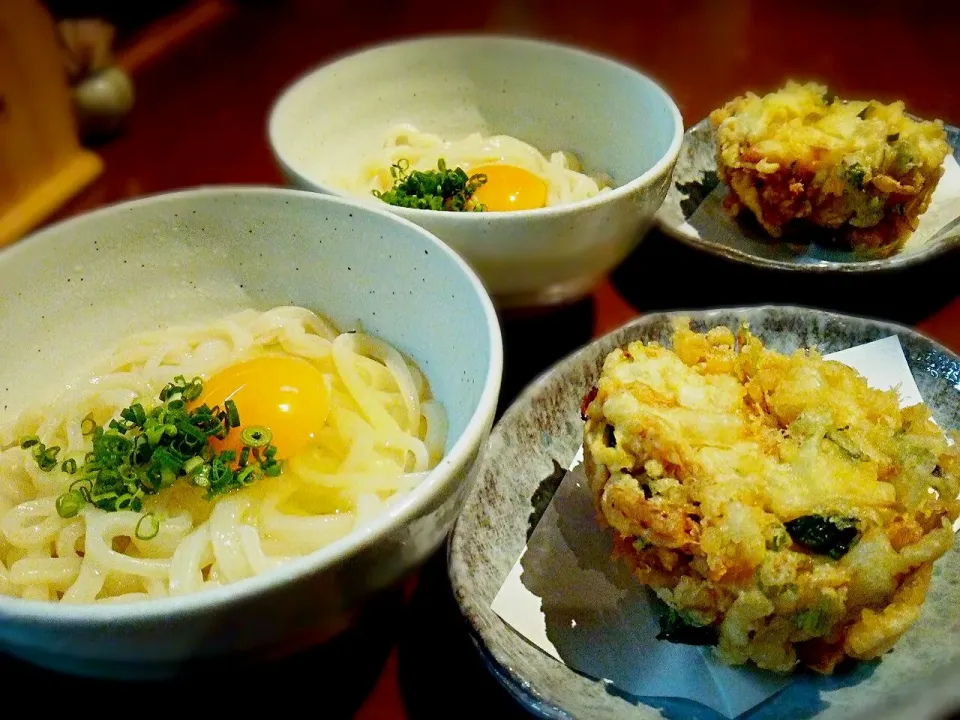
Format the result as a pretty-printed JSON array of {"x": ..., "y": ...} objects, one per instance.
[
  {"x": 564, "y": 176},
  {"x": 382, "y": 433}
]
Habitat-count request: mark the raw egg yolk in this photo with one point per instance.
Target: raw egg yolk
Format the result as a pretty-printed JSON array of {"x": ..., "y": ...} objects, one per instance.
[
  {"x": 510, "y": 188},
  {"x": 287, "y": 395}
]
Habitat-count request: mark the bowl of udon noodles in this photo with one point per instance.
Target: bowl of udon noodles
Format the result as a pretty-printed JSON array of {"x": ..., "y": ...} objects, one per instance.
[
  {"x": 541, "y": 164},
  {"x": 228, "y": 417}
]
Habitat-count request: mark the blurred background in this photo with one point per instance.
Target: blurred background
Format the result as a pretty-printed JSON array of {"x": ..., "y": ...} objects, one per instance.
[
  {"x": 175, "y": 93},
  {"x": 204, "y": 74},
  {"x": 206, "y": 71}
]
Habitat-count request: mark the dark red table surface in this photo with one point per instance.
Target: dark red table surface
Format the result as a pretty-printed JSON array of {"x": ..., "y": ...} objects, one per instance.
[{"x": 200, "y": 119}]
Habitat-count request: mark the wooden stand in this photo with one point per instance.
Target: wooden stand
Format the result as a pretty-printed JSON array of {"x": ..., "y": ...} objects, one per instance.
[{"x": 42, "y": 164}]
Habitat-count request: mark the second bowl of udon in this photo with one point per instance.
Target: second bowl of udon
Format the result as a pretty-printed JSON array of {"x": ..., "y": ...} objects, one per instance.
[
  {"x": 227, "y": 417},
  {"x": 564, "y": 155}
]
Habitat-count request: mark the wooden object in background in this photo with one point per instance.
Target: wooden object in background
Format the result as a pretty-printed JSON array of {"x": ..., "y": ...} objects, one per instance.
[
  {"x": 166, "y": 33},
  {"x": 42, "y": 164}
]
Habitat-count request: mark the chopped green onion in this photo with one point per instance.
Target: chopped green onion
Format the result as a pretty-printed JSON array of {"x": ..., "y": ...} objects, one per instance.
[
  {"x": 88, "y": 425},
  {"x": 192, "y": 464},
  {"x": 175, "y": 387},
  {"x": 69, "y": 504},
  {"x": 154, "y": 433},
  {"x": 82, "y": 486},
  {"x": 440, "y": 189},
  {"x": 189, "y": 436},
  {"x": 46, "y": 457},
  {"x": 82, "y": 483},
  {"x": 233, "y": 415},
  {"x": 148, "y": 527},
  {"x": 256, "y": 436},
  {"x": 135, "y": 414},
  {"x": 193, "y": 390},
  {"x": 166, "y": 459},
  {"x": 143, "y": 451},
  {"x": 201, "y": 476},
  {"x": 248, "y": 475},
  {"x": 167, "y": 477}
]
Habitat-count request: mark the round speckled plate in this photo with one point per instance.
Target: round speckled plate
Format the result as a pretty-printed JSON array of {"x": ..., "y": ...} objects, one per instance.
[
  {"x": 695, "y": 177},
  {"x": 539, "y": 436}
]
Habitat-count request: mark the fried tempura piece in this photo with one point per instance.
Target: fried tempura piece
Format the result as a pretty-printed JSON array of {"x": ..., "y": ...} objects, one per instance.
[
  {"x": 865, "y": 169},
  {"x": 783, "y": 509}
]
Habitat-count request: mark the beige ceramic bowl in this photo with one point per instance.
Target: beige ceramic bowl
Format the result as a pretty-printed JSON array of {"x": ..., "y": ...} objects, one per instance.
[
  {"x": 78, "y": 287},
  {"x": 615, "y": 119}
]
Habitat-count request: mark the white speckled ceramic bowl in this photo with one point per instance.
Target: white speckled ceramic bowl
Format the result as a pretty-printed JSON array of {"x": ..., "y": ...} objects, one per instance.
[
  {"x": 200, "y": 254},
  {"x": 539, "y": 436},
  {"x": 615, "y": 119}
]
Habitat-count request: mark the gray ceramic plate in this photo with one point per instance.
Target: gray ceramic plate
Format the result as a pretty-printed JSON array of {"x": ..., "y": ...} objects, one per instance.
[
  {"x": 695, "y": 176},
  {"x": 539, "y": 436}
]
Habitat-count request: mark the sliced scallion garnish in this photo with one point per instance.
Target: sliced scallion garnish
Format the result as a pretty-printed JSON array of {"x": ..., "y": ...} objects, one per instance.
[
  {"x": 142, "y": 452},
  {"x": 148, "y": 527}
]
